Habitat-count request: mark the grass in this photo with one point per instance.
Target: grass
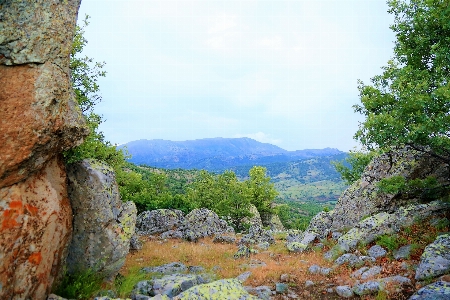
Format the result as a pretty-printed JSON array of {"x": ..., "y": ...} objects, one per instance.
[{"x": 81, "y": 285}]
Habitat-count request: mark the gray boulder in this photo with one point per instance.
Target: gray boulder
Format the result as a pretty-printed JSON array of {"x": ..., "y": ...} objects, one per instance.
[
  {"x": 220, "y": 289},
  {"x": 256, "y": 235},
  {"x": 201, "y": 223},
  {"x": 320, "y": 224},
  {"x": 363, "y": 199},
  {"x": 435, "y": 259},
  {"x": 256, "y": 219},
  {"x": 102, "y": 224},
  {"x": 301, "y": 242},
  {"x": 158, "y": 221},
  {"x": 169, "y": 285},
  {"x": 369, "y": 229},
  {"x": 437, "y": 291}
]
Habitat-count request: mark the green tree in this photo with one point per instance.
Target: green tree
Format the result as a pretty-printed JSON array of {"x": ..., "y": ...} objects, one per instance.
[
  {"x": 353, "y": 166},
  {"x": 262, "y": 191},
  {"x": 409, "y": 103},
  {"x": 85, "y": 74}
]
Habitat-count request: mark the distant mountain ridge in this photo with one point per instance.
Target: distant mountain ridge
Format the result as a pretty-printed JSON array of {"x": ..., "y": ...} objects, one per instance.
[{"x": 214, "y": 154}]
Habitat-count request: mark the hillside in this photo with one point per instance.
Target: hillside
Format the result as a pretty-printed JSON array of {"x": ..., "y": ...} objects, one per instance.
[{"x": 215, "y": 154}]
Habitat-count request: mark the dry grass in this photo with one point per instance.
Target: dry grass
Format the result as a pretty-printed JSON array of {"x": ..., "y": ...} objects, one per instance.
[
  {"x": 218, "y": 259},
  {"x": 220, "y": 256}
]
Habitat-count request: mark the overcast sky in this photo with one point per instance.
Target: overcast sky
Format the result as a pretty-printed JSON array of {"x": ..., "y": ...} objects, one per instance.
[{"x": 283, "y": 72}]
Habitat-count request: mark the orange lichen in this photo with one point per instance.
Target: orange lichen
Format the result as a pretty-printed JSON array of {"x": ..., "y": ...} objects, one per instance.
[
  {"x": 35, "y": 258},
  {"x": 31, "y": 209},
  {"x": 10, "y": 215}
]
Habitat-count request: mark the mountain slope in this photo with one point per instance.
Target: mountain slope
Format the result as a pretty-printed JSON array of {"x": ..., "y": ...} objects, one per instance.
[{"x": 215, "y": 154}]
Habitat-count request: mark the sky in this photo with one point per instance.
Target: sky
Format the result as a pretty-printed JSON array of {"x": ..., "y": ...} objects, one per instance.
[{"x": 283, "y": 72}]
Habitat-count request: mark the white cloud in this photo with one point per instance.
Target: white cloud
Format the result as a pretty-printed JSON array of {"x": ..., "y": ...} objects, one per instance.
[{"x": 260, "y": 137}]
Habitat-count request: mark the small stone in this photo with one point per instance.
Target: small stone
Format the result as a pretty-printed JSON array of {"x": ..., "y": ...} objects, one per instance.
[
  {"x": 336, "y": 235},
  {"x": 314, "y": 269},
  {"x": 344, "y": 291},
  {"x": 358, "y": 273},
  {"x": 377, "y": 251},
  {"x": 325, "y": 271},
  {"x": 308, "y": 283},
  {"x": 330, "y": 290},
  {"x": 281, "y": 288},
  {"x": 403, "y": 252},
  {"x": 244, "y": 276},
  {"x": 372, "y": 272},
  {"x": 284, "y": 278},
  {"x": 366, "y": 288}
]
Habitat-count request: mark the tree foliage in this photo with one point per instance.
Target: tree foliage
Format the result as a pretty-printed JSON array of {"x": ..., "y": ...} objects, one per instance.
[
  {"x": 352, "y": 167},
  {"x": 409, "y": 103},
  {"x": 85, "y": 74}
]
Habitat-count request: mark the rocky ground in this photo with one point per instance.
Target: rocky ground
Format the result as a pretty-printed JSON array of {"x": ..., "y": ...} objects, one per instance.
[{"x": 384, "y": 269}]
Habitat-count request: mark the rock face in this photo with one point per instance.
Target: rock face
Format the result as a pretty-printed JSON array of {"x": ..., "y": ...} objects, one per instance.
[
  {"x": 35, "y": 226},
  {"x": 39, "y": 119},
  {"x": 362, "y": 198},
  {"x": 103, "y": 225}
]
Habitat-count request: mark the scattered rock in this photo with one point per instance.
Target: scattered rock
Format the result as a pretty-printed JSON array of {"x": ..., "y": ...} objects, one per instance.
[
  {"x": 435, "y": 259},
  {"x": 314, "y": 269},
  {"x": 256, "y": 235},
  {"x": 171, "y": 268},
  {"x": 158, "y": 221},
  {"x": 169, "y": 285},
  {"x": 301, "y": 242},
  {"x": 351, "y": 259},
  {"x": 262, "y": 292},
  {"x": 437, "y": 291},
  {"x": 102, "y": 224},
  {"x": 263, "y": 245},
  {"x": 344, "y": 291},
  {"x": 370, "y": 273},
  {"x": 403, "y": 252},
  {"x": 281, "y": 288},
  {"x": 336, "y": 235},
  {"x": 377, "y": 251},
  {"x": 135, "y": 243},
  {"x": 220, "y": 289},
  {"x": 196, "y": 269},
  {"x": 358, "y": 273},
  {"x": 284, "y": 277},
  {"x": 243, "y": 251},
  {"x": 309, "y": 283},
  {"x": 366, "y": 288},
  {"x": 244, "y": 276},
  {"x": 224, "y": 239}
]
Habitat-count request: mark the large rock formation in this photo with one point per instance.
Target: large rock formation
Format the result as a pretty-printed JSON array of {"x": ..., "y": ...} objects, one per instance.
[
  {"x": 103, "y": 225},
  {"x": 35, "y": 228},
  {"x": 362, "y": 198},
  {"x": 39, "y": 119}
]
